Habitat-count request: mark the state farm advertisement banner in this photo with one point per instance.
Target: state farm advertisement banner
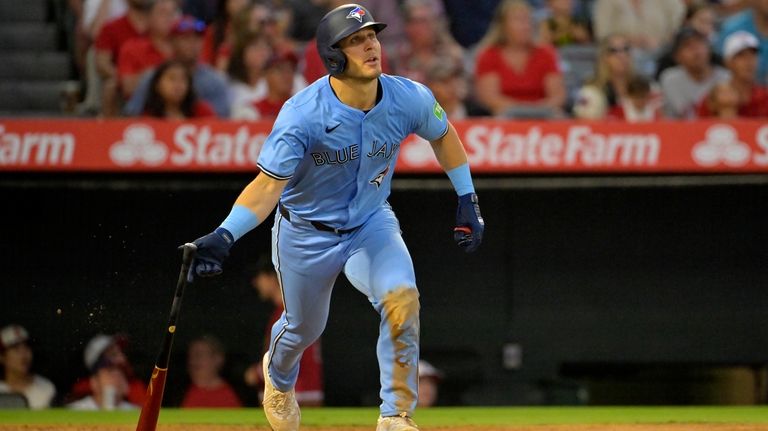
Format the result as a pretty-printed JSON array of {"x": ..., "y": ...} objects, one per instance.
[{"x": 493, "y": 146}]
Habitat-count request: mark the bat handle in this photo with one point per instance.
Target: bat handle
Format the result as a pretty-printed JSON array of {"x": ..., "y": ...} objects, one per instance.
[{"x": 189, "y": 251}]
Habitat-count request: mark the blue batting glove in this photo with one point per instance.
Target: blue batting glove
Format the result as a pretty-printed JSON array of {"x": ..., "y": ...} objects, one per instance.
[
  {"x": 212, "y": 249},
  {"x": 468, "y": 232}
]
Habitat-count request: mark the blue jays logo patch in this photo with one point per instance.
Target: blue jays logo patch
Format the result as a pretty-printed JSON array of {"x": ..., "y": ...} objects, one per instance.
[
  {"x": 357, "y": 13},
  {"x": 379, "y": 178}
]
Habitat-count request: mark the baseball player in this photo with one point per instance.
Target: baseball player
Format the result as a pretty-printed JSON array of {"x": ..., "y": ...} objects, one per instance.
[{"x": 327, "y": 165}]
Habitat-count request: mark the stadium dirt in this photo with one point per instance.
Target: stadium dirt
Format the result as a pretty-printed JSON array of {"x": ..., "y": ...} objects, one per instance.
[{"x": 606, "y": 427}]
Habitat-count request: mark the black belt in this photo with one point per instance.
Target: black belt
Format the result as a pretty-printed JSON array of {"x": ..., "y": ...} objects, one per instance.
[{"x": 316, "y": 224}]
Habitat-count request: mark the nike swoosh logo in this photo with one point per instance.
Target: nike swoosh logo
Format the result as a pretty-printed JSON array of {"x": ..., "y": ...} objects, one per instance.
[{"x": 331, "y": 129}]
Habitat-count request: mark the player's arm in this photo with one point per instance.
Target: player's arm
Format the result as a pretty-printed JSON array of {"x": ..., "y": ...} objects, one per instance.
[
  {"x": 450, "y": 153},
  {"x": 255, "y": 203}
]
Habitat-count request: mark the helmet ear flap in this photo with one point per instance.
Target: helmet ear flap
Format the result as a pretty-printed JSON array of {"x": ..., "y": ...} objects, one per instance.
[{"x": 336, "y": 61}]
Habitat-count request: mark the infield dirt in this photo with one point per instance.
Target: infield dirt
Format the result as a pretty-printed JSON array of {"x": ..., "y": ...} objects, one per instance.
[{"x": 606, "y": 427}]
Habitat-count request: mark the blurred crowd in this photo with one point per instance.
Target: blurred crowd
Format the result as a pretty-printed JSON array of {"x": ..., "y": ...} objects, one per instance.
[
  {"x": 205, "y": 379},
  {"x": 630, "y": 60}
]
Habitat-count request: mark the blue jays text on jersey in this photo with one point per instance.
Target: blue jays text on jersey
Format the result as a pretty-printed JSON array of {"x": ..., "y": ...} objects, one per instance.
[{"x": 339, "y": 160}]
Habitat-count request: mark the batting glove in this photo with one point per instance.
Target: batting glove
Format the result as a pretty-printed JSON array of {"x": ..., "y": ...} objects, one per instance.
[
  {"x": 468, "y": 232},
  {"x": 212, "y": 249}
]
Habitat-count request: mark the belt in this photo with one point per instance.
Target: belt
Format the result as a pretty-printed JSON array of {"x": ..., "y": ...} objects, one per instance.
[{"x": 316, "y": 224}]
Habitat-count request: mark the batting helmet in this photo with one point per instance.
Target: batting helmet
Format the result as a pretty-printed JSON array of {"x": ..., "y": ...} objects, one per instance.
[{"x": 335, "y": 26}]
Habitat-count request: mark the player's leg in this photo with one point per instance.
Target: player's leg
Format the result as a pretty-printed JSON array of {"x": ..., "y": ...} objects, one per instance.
[
  {"x": 307, "y": 264},
  {"x": 380, "y": 266}
]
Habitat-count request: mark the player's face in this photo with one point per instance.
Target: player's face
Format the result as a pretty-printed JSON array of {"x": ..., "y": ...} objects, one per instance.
[{"x": 363, "y": 52}]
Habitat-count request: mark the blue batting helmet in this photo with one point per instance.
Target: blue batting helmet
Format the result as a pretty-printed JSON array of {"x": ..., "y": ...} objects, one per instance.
[{"x": 335, "y": 26}]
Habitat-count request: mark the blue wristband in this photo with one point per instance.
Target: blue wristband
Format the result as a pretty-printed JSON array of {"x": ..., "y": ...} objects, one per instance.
[
  {"x": 461, "y": 179},
  {"x": 240, "y": 221}
]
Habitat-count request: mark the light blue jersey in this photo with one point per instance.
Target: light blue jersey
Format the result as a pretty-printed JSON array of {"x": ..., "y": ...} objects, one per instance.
[{"x": 339, "y": 160}]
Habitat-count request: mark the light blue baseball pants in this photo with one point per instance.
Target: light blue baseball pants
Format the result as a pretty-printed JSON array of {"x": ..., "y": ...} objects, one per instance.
[{"x": 377, "y": 263}]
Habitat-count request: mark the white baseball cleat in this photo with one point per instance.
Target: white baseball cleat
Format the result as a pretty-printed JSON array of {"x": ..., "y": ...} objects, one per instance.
[
  {"x": 396, "y": 423},
  {"x": 281, "y": 408}
]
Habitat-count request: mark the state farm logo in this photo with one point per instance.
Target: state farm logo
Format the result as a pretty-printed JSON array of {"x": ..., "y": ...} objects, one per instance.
[
  {"x": 721, "y": 145},
  {"x": 138, "y": 145}
]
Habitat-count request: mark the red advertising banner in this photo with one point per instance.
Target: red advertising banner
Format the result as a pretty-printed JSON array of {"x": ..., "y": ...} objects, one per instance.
[{"x": 493, "y": 146}]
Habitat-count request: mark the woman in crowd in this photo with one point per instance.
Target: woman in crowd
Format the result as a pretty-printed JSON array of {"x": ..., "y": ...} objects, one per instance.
[
  {"x": 514, "y": 73},
  {"x": 172, "y": 96},
  {"x": 613, "y": 72},
  {"x": 246, "y": 73},
  {"x": 220, "y": 35}
]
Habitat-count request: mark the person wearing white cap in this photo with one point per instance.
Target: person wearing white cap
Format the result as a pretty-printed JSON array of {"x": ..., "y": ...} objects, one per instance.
[
  {"x": 106, "y": 351},
  {"x": 108, "y": 383},
  {"x": 16, "y": 361},
  {"x": 752, "y": 20},
  {"x": 740, "y": 53}
]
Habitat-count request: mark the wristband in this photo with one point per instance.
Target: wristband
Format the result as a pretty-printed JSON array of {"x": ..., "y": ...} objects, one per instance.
[
  {"x": 461, "y": 179},
  {"x": 239, "y": 221}
]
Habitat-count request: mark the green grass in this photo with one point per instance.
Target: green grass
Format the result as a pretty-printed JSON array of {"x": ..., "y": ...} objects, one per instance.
[{"x": 426, "y": 417}]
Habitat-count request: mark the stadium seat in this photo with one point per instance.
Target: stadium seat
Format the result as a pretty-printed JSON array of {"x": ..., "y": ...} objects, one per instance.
[{"x": 35, "y": 66}]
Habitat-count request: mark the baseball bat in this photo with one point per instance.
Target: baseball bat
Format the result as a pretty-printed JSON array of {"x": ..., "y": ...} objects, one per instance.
[{"x": 151, "y": 409}]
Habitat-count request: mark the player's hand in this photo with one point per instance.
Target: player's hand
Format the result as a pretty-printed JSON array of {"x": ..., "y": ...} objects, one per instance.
[
  {"x": 212, "y": 249},
  {"x": 468, "y": 232}
]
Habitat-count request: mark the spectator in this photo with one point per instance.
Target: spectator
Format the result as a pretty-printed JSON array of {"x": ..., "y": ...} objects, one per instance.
[
  {"x": 209, "y": 86},
  {"x": 722, "y": 102},
  {"x": 246, "y": 73},
  {"x": 143, "y": 53},
  {"x": 110, "y": 384},
  {"x": 94, "y": 15},
  {"x": 686, "y": 84},
  {"x": 111, "y": 37},
  {"x": 205, "y": 359},
  {"x": 429, "y": 379},
  {"x": 700, "y": 17},
  {"x": 309, "y": 386},
  {"x": 753, "y": 20},
  {"x": 613, "y": 71},
  {"x": 111, "y": 350},
  {"x": 172, "y": 94},
  {"x": 272, "y": 23},
  {"x": 277, "y": 74},
  {"x": 16, "y": 361},
  {"x": 741, "y": 51},
  {"x": 511, "y": 71},
  {"x": 448, "y": 83},
  {"x": 427, "y": 40},
  {"x": 639, "y": 106},
  {"x": 562, "y": 27},
  {"x": 649, "y": 24},
  {"x": 219, "y": 36}
]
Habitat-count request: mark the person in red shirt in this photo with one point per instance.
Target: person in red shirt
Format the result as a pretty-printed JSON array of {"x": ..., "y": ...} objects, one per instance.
[
  {"x": 107, "y": 45},
  {"x": 172, "y": 96},
  {"x": 511, "y": 72},
  {"x": 143, "y": 53},
  {"x": 205, "y": 359},
  {"x": 309, "y": 386},
  {"x": 740, "y": 52},
  {"x": 278, "y": 74}
]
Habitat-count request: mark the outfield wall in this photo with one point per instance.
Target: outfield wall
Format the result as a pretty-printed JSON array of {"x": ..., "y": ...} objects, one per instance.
[{"x": 575, "y": 277}]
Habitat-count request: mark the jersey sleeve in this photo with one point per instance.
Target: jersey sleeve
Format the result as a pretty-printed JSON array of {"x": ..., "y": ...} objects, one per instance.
[
  {"x": 431, "y": 121},
  {"x": 285, "y": 146}
]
